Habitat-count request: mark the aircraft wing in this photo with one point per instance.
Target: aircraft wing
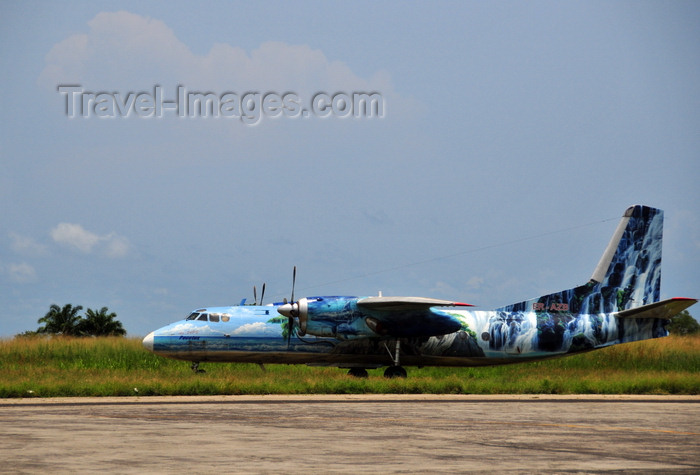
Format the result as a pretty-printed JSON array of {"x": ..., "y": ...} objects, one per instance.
[
  {"x": 663, "y": 309},
  {"x": 409, "y": 316},
  {"x": 406, "y": 303}
]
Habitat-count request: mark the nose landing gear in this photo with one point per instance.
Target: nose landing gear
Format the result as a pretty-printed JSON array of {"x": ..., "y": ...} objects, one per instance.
[{"x": 195, "y": 367}]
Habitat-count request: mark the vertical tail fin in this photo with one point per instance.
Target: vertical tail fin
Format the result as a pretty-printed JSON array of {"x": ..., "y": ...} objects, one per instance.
[
  {"x": 630, "y": 268},
  {"x": 627, "y": 276}
]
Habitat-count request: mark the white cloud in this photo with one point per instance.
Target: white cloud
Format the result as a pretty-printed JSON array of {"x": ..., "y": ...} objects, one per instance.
[
  {"x": 181, "y": 328},
  {"x": 75, "y": 236},
  {"x": 257, "y": 329},
  {"x": 65, "y": 60},
  {"x": 123, "y": 50},
  {"x": 26, "y": 245},
  {"x": 118, "y": 43},
  {"x": 190, "y": 328},
  {"x": 116, "y": 246},
  {"x": 78, "y": 238},
  {"x": 21, "y": 273}
]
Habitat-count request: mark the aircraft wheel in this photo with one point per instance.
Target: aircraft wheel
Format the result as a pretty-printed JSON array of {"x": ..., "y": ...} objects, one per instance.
[
  {"x": 395, "y": 372},
  {"x": 195, "y": 367},
  {"x": 358, "y": 372}
]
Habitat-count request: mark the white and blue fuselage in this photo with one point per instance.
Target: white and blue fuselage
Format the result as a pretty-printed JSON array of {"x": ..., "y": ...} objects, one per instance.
[{"x": 259, "y": 334}]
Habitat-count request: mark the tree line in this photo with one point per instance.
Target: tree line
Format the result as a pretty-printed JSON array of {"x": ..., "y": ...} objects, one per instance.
[
  {"x": 67, "y": 321},
  {"x": 683, "y": 324}
]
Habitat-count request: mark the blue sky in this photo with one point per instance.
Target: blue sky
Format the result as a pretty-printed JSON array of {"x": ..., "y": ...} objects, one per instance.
[{"x": 514, "y": 135}]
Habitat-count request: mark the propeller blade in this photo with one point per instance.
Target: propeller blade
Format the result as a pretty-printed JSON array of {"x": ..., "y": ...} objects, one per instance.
[
  {"x": 262, "y": 294},
  {"x": 291, "y": 310},
  {"x": 255, "y": 296}
]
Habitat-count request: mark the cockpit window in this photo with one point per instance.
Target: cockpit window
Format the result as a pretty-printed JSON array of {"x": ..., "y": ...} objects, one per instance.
[{"x": 212, "y": 317}]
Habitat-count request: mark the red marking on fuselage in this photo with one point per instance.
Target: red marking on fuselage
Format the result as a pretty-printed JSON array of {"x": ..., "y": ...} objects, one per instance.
[{"x": 553, "y": 307}]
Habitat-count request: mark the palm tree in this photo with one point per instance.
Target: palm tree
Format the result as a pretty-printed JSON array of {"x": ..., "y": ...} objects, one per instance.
[
  {"x": 61, "y": 321},
  {"x": 100, "y": 323}
]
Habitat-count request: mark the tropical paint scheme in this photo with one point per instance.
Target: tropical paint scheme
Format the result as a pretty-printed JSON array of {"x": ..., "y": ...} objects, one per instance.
[{"x": 620, "y": 303}]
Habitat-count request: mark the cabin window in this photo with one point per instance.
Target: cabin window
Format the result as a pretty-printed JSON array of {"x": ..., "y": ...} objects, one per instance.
[
  {"x": 225, "y": 317},
  {"x": 203, "y": 317},
  {"x": 192, "y": 316},
  {"x": 213, "y": 317}
]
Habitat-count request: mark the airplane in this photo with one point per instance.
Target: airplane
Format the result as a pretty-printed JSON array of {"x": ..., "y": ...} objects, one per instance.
[{"x": 620, "y": 303}]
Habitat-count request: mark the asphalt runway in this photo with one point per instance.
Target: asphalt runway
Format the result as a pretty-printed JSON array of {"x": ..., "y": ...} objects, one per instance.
[{"x": 351, "y": 434}]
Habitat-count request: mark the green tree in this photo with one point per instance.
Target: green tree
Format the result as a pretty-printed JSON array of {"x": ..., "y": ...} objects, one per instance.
[
  {"x": 28, "y": 334},
  {"x": 100, "y": 323},
  {"x": 683, "y": 324},
  {"x": 61, "y": 321}
]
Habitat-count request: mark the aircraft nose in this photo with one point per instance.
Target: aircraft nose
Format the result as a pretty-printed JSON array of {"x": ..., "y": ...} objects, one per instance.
[{"x": 148, "y": 342}]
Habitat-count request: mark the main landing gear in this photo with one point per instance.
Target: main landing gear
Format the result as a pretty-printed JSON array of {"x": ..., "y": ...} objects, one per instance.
[
  {"x": 396, "y": 370},
  {"x": 393, "y": 371},
  {"x": 358, "y": 372}
]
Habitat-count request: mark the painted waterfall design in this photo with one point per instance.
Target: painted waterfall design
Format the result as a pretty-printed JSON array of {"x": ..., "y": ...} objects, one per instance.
[{"x": 581, "y": 318}]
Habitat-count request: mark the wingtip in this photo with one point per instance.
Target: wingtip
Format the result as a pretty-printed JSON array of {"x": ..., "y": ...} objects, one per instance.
[{"x": 462, "y": 304}]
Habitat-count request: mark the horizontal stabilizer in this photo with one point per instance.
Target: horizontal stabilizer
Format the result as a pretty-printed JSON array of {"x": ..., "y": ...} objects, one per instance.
[
  {"x": 405, "y": 303},
  {"x": 664, "y": 309}
]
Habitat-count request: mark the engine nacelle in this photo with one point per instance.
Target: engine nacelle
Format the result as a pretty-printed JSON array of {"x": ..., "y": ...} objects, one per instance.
[{"x": 329, "y": 317}]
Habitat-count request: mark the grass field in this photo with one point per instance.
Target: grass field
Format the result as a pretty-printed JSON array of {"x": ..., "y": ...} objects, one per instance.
[{"x": 121, "y": 367}]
